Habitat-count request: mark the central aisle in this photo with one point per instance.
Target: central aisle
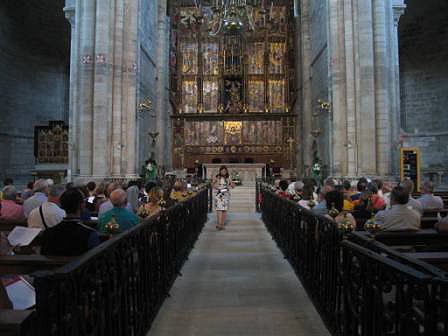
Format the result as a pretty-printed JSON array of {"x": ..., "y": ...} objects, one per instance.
[{"x": 237, "y": 282}]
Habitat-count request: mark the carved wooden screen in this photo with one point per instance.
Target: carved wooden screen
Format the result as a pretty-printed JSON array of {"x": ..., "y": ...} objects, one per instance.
[
  {"x": 51, "y": 143},
  {"x": 233, "y": 93}
]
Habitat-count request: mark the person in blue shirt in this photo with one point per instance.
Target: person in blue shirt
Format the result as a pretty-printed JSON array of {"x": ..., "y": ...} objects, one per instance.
[{"x": 122, "y": 216}]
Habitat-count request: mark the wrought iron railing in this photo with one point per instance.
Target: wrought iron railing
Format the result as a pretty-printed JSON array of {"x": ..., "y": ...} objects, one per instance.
[
  {"x": 359, "y": 287},
  {"x": 311, "y": 245},
  {"x": 118, "y": 287},
  {"x": 382, "y": 296},
  {"x": 258, "y": 196}
]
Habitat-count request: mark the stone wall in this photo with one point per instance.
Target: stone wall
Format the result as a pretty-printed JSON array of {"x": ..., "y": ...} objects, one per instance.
[
  {"x": 34, "y": 79},
  {"x": 423, "y": 38}
]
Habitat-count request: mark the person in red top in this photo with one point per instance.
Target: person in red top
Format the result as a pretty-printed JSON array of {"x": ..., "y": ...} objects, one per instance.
[
  {"x": 10, "y": 210},
  {"x": 377, "y": 201},
  {"x": 283, "y": 192}
]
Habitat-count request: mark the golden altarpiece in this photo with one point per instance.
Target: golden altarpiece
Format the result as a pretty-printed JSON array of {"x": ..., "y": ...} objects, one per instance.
[{"x": 233, "y": 93}]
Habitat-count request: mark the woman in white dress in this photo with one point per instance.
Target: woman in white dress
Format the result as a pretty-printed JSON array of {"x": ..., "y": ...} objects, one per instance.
[{"x": 222, "y": 185}]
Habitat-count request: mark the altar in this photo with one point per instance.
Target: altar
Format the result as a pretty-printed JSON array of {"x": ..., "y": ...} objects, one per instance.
[{"x": 248, "y": 172}]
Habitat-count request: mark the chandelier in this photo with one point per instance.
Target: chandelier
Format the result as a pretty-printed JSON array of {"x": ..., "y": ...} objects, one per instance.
[{"x": 232, "y": 16}]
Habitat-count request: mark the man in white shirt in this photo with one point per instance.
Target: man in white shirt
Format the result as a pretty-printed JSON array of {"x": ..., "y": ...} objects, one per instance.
[
  {"x": 40, "y": 191},
  {"x": 428, "y": 200},
  {"x": 399, "y": 217},
  {"x": 408, "y": 186},
  {"x": 48, "y": 214}
]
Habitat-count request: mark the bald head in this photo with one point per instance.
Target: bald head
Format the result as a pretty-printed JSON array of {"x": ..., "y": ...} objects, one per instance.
[
  {"x": 119, "y": 198},
  {"x": 111, "y": 187}
]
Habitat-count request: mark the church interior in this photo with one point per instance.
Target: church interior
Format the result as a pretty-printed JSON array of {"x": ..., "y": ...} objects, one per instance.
[{"x": 327, "y": 117}]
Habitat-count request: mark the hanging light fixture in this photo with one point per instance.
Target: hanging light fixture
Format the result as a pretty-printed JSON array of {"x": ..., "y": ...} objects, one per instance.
[{"x": 232, "y": 16}]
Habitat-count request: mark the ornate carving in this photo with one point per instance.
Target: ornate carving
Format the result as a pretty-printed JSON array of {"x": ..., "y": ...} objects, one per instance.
[
  {"x": 232, "y": 132},
  {"x": 51, "y": 143}
]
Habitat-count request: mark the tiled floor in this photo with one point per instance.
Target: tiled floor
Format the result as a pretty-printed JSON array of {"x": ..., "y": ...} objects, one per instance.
[{"x": 237, "y": 282}]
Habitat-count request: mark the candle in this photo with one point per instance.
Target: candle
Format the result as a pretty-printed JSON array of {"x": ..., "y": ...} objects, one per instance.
[{"x": 272, "y": 7}]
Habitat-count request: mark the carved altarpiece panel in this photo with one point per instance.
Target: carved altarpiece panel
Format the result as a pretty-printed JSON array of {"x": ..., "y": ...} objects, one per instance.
[{"x": 232, "y": 93}]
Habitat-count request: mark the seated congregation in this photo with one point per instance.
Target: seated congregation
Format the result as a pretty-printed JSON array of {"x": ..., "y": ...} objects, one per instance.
[
  {"x": 74, "y": 218},
  {"x": 391, "y": 207},
  {"x": 365, "y": 249}
]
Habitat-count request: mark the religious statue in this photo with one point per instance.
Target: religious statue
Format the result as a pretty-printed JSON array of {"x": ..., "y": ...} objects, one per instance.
[
  {"x": 316, "y": 173},
  {"x": 234, "y": 103},
  {"x": 150, "y": 170}
]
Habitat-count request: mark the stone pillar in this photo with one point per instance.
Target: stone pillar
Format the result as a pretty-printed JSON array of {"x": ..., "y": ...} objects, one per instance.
[
  {"x": 298, "y": 106},
  {"x": 366, "y": 128},
  {"x": 103, "y": 89},
  {"x": 70, "y": 14},
  {"x": 382, "y": 89},
  {"x": 129, "y": 150},
  {"x": 162, "y": 83},
  {"x": 336, "y": 38},
  {"x": 307, "y": 104},
  {"x": 398, "y": 9},
  {"x": 351, "y": 63},
  {"x": 117, "y": 91},
  {"x": 85, "y": 85}
]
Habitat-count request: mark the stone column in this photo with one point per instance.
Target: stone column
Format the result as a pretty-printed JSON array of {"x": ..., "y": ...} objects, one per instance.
[
  {"x": 162, "y": 83},
  {"x": 307, "y": 105},
  {"x": 298, "y": 106},
  {"x": 398, "y": 9},
  {"x": 382, "y": 89},
  {"x": 366, "y": 127},
  {"x": 85, "y": 84},
  {"x": 70, "y": 14},
  {"x": 103, "y": 89},
  {"x": 129, "y": 150},
  {"x": 350, "y": 75},
  {"x": 117, "y": 90},
  {"x": 336, "y": 38}
]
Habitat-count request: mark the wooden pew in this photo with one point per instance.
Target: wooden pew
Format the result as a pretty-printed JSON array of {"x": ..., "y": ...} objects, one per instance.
[
  {"x": 27, "y": 264},
  {"x": 15, "y": 322},
  {"x": 435, "y": 213},
  {"x": 7, "y": 225}
]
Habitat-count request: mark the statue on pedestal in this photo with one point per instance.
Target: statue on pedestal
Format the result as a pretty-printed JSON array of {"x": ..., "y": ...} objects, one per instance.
[
  {"x": 316, "y": 172},
  {"x": 150, "y": 170}
]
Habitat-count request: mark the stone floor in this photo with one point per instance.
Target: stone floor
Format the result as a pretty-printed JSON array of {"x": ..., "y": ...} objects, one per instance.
[{"x": 237, "y": 282}]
